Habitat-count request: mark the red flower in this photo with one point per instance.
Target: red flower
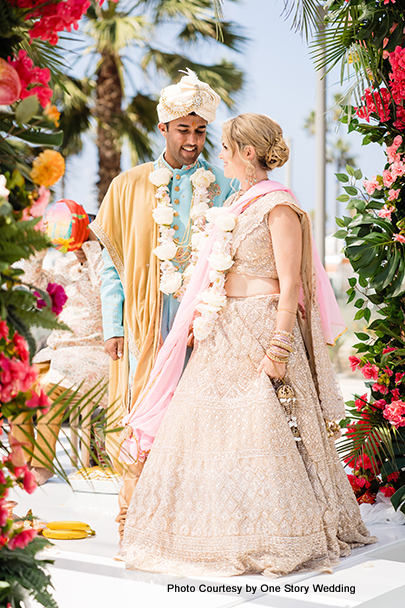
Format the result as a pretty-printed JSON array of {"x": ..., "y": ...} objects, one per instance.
[
  {"x": 358, "y": 483},
  {"x": 29, "y": 482},
  {"x": 354, "y": 363},
  {"x": 58, "y": 298},
  {"x": 361, "y": 402},
  {"x": 364, "y": 462},
  {"x": 380, "y": 388},
  {"x": 21, "y": 539},
  {"x": 3, "y": 330},
  {"x": 21, "y": 347},
  {"x": 389, "y": 349},
  {"x": 395, "y": 394},
  {"x": 381, "y": 403},
  {"x": 393, "y": 476},
  {"x": 39, "y": 401},
  {"x": 377, "y": 102},
  {"x": 394, "y": 412},
  {"x": 368, "y": 497},
  {"x": 398, "y": 377},
  {"x": 370, "y": 372},
  {"x": 34, "y": 81},
  {"x": 387, "y": 490},
  {"x": 3, "y": 513}
]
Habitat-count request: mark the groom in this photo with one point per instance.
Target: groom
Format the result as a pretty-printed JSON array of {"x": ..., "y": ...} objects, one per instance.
[{"x": 140, "y": 292}]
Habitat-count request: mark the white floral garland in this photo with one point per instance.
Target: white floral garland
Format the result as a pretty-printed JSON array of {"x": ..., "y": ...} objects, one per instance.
[
  {"x": 172, "y": 281},
  {"x": 220, "y": 260}
]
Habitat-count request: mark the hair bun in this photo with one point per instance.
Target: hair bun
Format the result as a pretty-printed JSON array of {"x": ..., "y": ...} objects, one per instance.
[{"x": 277, "y": 154}]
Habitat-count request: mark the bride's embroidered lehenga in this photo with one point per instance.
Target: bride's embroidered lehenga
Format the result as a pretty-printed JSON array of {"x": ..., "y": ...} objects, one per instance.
[{"x": 226, "y": 490}]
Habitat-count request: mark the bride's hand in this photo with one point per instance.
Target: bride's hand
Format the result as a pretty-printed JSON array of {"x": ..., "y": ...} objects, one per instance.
[{"x": 272, "y": 369}]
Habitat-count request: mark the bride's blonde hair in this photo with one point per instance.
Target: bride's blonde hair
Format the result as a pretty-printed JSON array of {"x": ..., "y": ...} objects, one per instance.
[{"x": 261, "y": 132}]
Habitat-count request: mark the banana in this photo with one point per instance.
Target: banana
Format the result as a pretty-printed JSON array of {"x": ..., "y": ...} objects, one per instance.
[
  {"x": 64, "y": 534},
  {"x": 68, "y": 525}
]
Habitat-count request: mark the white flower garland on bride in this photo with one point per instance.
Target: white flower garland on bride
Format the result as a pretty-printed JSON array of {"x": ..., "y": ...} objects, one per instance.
[
  {"x": 172, "y": 281},
  {"x": 220, "y": 260}
]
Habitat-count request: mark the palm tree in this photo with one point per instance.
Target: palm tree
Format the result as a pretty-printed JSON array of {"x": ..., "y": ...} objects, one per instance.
[{"x": 122, "y": 34}]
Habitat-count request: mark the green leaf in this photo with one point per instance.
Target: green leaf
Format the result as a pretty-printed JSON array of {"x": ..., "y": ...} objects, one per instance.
[
  {"x": 358, "y": 174},
  {"x": 342, "y": 177},
  {"x": 340, "y": 234},
  {"x": 343, "y": 198},
  {"x": 351, "y": 297},
  {"x": 350, "y": 190},
  {"x": 362, "y": 281},
  {"x": 362, "y": 336},
  {"x": 352, "y": 281},
  {"x": 26, "y": 109},
  {"x": 359, "y": 303},
  {"x": 340, "y": 222},
  {"x": 42, "y": 139},
  {"x": 359, "y": 315},
  {"x": 398, "y": 498},
  {"x": 350, "y": 170},
  {"x": 367, "y": 314}
]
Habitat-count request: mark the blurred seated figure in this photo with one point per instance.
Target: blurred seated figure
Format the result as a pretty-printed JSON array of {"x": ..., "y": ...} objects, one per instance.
[{"x": 71, "y": 359}]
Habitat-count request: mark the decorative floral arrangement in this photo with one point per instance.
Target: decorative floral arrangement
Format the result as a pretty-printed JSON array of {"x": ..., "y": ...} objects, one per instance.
[
  {"x": 220, "y": 260},
  {"x": 172, "y": 279}
]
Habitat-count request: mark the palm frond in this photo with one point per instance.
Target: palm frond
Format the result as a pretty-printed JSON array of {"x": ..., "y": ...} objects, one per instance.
[
  {"x": 118, "y": 32},
  {"x": 144, "y": 109},
  {"x": 224, "y": 77},
  {"x": 201, "y": 29},
  {"x": 305, "y": 15}
]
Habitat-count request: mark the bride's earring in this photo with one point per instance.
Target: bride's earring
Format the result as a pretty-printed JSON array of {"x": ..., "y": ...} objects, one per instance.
[{"x": 250, "y": 174}]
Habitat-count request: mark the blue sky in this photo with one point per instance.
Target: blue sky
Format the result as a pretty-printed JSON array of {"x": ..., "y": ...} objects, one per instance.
[{"x": 280, "y": 82}]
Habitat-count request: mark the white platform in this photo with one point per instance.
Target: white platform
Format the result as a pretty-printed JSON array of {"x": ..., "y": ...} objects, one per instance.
[{"x": 86, "y": 576}]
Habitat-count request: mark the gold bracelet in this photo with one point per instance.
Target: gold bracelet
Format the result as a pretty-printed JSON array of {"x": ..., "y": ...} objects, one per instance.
[
  {"x": 277, "y": 359},
  {"x": 282, "y": 332},
  {"x": 286, "y": 310},
  {"x": 282, "y": 345}
]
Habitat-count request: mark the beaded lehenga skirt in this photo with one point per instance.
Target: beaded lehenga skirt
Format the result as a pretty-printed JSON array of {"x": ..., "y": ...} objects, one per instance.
[{"x": 226, "y": 489}]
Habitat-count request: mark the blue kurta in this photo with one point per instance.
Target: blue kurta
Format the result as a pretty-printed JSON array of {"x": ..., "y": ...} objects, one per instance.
[{"x": 112, "y": 293}]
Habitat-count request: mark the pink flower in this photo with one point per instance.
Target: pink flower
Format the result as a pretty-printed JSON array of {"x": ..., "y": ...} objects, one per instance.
[
  {"x": 380, "y": 388},
  {"x": 393, "y": 195},
  {"x": 39, "y": 401},
  {"x": 385, "y": 212},
  {"x": 58, "y": 297},
  {"x": 358, "y": 483},
  {"x": 400, "y": 120},
  {"x": 398, "y": 237},
  {"x": 391, "y": 150},
  {"x": 38, "y": 207},
  {"x": 380, "y": 403},
  {"x": 3, "y": 330},
  {"x": 21, "y": 347},
  {"x": 395, "y": 394},
  {"x": 397, "y": 169},
  {"x": 388, "y": 371},
  {"x": 30, "y": 75},
  {"x": 394, "y": 412},
  {"x": 372, "y": 185},
  {"x": 10, "y": 84},
  {"x": 29, "y": 482},
  {"x": 354, "y": 363},
  {"x": 387, "y": 490},
  {"x": 398, "y": 377},
  {"x": 3, "y": 513},
  {"x": 361, "y": 402},
  {"x": 21, "y": 539},
  {"x": 388, "y": 178},
  {"x": 377, "y": 102},
  {"x": 15, "y": 376},
  {"x": 370, "y": 372},
  {"x": 389, "y": 349}
]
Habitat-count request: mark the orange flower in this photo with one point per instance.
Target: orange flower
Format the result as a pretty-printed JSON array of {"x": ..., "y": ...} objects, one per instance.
[
  {"x": 52, "y": 113},
  {"x": 48, "y": 168}
]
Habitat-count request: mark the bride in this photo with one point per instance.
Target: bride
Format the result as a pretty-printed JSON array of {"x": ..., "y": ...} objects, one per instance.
[{"x": 237, "y": 480}]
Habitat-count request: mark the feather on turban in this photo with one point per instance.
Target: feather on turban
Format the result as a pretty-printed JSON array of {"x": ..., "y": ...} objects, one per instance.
[{"x": 188, "y": 95}]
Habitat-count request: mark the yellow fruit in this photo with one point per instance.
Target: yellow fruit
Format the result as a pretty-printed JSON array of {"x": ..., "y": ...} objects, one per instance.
[
  {"x": 64, "y": 534},
  {"x": 68, "y": 525}
]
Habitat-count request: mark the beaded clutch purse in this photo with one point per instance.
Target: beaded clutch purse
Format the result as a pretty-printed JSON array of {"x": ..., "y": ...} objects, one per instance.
[{"x": 286, "y": 396}]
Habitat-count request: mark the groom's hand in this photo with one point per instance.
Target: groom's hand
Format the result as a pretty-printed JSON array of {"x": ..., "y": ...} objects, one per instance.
[{"x": 114, "y": 347}]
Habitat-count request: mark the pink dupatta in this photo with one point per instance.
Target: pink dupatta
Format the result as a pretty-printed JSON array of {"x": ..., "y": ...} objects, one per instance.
[{"x": 146, "y": 415}]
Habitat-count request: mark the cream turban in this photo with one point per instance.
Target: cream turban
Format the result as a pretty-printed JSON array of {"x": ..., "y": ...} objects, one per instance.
[{"x": 188, "y": 95}]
